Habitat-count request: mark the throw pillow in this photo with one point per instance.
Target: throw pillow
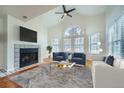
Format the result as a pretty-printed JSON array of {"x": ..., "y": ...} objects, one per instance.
[
  {"x": 110, "y": 60},
  {"x": 104, "y": 59}
]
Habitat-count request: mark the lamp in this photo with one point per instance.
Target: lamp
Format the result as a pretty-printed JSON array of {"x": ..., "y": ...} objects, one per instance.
[
  {"x": 68, "y": 50},
  {"x": 100, "y": 50},
  {"x": 99, "y": 43},
  {"x": 65, "y": 14}
]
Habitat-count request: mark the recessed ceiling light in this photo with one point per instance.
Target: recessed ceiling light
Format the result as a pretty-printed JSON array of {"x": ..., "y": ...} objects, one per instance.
[{"x": 25, "y": 17}]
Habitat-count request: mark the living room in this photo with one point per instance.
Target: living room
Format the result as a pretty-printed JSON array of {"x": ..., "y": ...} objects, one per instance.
[{"x": 87, "y": 30}]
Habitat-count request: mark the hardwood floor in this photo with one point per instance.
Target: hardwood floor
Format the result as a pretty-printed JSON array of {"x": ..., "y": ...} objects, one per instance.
[{"x": 5, "y": 82}]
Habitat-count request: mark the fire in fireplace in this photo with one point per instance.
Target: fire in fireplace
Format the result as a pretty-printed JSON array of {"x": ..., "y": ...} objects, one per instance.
[{"x": 28, "y": 56}]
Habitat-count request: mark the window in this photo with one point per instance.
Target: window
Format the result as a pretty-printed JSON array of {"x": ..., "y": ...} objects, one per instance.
[
  {"x": 94, "y": 43},
  {"x": 78, "y": 44},
  {"x": 67, "y": 44},
  {"x": 73, "y": 39},
  {"x": 116, "y": 38},
  {"x": 114, "y": 41},
  {"x": 55, "y": 45}
]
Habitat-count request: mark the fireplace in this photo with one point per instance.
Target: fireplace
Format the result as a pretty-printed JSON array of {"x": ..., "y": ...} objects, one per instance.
[{"x": 28, "y": 56}]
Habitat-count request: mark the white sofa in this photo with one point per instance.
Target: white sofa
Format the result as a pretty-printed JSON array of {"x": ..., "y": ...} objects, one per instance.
[{"x": 106, "y": 76}]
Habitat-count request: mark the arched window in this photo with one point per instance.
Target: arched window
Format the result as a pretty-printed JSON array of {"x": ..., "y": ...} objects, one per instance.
[{"x": 73, "y": 39}]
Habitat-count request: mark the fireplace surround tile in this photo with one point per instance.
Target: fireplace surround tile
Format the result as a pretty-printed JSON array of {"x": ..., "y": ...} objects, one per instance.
[{"x": 17, "y": 53}]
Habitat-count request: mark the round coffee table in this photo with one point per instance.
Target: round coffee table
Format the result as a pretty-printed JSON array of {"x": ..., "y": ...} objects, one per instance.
[{"x": 63, "y": 66}]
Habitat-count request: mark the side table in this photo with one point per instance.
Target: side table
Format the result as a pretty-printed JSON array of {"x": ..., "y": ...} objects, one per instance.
[
  {"x": 47, "y": 60},
  {"x": 89, "y": 63}
]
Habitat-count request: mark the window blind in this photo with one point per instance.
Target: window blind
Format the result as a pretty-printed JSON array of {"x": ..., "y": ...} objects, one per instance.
[{"x": 116, "y": 38}]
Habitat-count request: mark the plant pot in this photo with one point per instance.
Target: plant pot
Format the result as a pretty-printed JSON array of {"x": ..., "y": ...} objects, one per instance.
[{"x": 49, "y": 56}]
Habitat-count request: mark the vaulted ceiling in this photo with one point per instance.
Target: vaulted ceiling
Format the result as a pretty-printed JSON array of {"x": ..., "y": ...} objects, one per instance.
[
  {"x": 50, "y": 18},
  {"x": 48, "y": 11},
  {"x": 30, "y": 11}
]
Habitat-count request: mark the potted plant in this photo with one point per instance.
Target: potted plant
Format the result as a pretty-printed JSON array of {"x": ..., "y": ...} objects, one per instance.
[{"x": 49, "y": 49}]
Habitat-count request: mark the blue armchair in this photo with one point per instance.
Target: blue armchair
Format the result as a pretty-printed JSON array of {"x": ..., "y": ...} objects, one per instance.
[
  {"x": 79, "y": 58},
  {"x": 60, "y": 56}
]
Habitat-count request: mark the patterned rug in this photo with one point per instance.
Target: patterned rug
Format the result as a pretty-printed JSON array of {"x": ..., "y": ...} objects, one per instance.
[
  {"x": 2, "y": 73},
  {"x": 44, "y": 77}
]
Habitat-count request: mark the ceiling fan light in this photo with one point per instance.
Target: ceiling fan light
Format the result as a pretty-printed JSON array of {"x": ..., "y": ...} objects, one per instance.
[
  {"x": 100, "y": 50},
  {"x": 25, "y": 17},
  {"x": 65, "y": 14},
  {"x": 99, "y": 43}
]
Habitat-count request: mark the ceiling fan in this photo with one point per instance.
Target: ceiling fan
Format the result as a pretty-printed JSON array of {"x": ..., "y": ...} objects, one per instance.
[{"x": 65, "y": 12}]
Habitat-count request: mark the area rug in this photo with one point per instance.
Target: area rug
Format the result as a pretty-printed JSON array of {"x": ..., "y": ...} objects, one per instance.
[{"x": 44, "y": 77}]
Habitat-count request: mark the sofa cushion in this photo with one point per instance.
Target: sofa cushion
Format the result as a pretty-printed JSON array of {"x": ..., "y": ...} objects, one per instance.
[
  {"x": 122, "y": 63},
  {"x": 79, "y": 58},
  {"x": 61, "y": 53},
  {"x": 78, "y": 55},
  {"x": 104, "y": 59},
  {"x": 100, "y": 63},
  {"x": 117, "y": 63},
  {"x": 76, "y": 58},
  {"x": 107, "y": 76},
  {"x": 56, "y": 53},
  {"x": 110, "y": 60},
  {"x": 59, "y": 57}
]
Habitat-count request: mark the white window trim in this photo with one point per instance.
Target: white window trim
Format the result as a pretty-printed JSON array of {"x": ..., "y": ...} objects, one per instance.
[{"x": 90, "y": 44}]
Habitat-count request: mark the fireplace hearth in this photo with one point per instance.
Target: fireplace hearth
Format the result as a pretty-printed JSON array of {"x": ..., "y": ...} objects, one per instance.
[{"x": 28, "y": 56}]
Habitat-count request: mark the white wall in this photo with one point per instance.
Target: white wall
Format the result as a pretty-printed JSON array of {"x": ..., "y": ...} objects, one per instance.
[
  {"x": 5, "y": 43},
  {"x": 37, "y": 24},
  {"x": 1, "y": 42},
  {"x": 56, "y": 32},
  {"x": 112, "y": 14},
  {"x": 96, "y": 24},
  {"x": 13, "y": 37},
  {"x": 90, "y": 24}
]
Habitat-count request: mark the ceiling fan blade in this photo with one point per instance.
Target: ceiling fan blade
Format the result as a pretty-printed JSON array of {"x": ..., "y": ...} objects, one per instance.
[
  {"x": 69, "y": 15},
  {"x": 58, "y": 12},
  {"x": 62, "y": 16},
  {"x": 63, "y": 8},
  {"x": 71, "y": 10}
]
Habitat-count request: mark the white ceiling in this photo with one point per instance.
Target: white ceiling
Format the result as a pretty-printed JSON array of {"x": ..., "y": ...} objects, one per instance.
[
  {"x": 30, "y": 11},
  {"x": 85, "y": 10},
  {"x": 89, "y": 10},
  {"x": 48, "y": 11}
]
